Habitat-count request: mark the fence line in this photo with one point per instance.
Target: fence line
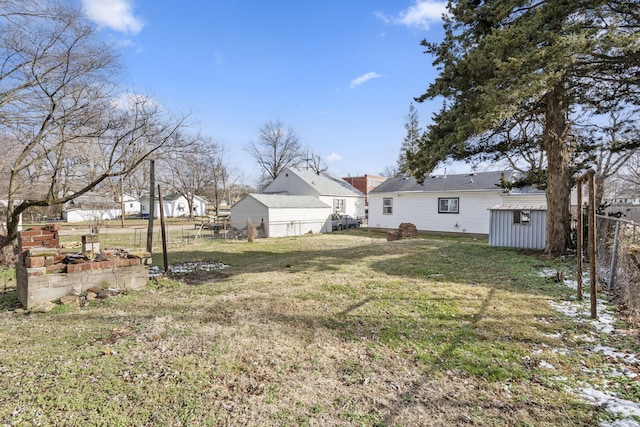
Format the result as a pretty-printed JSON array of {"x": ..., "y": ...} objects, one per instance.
[{"x": 618, "y": 260}]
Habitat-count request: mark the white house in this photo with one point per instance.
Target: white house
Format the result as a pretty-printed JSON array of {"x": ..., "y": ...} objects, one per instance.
[
  {"x": 131, "y": 204},
  {"x": 445, "y": 203},
  {"x": 341, "y": 196},
  {"x": 91, "y": 207},
  {"x": 278, "y": 215},
  {"x": 626, "y": 198},
  {"x": 174, "y": 206}
]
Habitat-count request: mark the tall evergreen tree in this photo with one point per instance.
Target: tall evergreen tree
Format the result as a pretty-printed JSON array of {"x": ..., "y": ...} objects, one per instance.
[
  {"x": 505, "y": 63},
  {"x": 410, "y": 142}
]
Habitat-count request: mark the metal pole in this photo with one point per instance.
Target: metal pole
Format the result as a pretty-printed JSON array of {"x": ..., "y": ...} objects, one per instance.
[
  {"x": 593, "y": 280},
  {"x": 164, "y": 232},
  {"x": 614, "y": 259},
  {"x": 152, "y": 204},
  {"x": 580, "y": 237},
  {"x": 121, "y": 203}
]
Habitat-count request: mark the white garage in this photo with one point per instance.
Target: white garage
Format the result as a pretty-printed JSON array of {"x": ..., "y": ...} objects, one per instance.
[{"x": 279, "y": 215}]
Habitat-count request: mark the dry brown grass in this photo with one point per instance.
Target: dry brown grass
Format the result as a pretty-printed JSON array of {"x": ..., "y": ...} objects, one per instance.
[{"x": 319, "y": 330}]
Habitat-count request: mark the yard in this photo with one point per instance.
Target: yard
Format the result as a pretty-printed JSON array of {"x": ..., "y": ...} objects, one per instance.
[{"x": 339, "y": 329}]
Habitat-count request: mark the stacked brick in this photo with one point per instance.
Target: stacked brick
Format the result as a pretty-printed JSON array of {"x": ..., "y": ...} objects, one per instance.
[
  {"x": 42, "y": 274},
  {"x": 40, "y": 249},
  {"x": 42, "y": 237},
  {"x": 406, "y": 230},
  {"x": 40, "y": 252}
]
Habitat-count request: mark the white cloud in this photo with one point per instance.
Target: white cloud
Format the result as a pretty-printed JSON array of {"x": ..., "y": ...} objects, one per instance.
[
  {"x": 364, "y": 78},
  {"x": 333, "y": 157},
  {"x": 421, "y": 15},
  {"x": 114, "y": 14}
]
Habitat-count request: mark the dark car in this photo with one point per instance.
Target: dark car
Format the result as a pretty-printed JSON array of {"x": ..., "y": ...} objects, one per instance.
[{"x": 340, "y": 222}]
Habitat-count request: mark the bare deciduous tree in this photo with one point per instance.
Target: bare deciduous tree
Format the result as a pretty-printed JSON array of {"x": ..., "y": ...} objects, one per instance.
[
  {"x": 65, "y": 134},
  {"x": 189, "y": 173},
  {"x": 315, "y": 162},
  {"x": 277, "y": 149}
]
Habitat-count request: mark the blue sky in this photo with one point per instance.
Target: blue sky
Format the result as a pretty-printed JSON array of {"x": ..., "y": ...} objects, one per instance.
[{"x": 342, "y": 74}]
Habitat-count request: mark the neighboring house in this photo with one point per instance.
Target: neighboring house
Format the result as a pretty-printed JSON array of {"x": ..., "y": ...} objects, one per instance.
[
  {"x": 445, "y": 203},
  {"x": 277, "y": 215},
  {"x": 91, "y": 207},
  {"x": 626, "y": 199},
  {"x": 131, "y": 204},
  {"x": 335, "y": 192},
  {"x": 518, "y": 226},
  {"x": 365, "y": 184},
  {"x": 174, "y": 206}
]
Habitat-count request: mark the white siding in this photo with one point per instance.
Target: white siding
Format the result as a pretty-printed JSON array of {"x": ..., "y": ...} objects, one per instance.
[
  {"x": 421, "y": 209},
  {"x": 281, "y": 222},
  {"x": 84, "y": 215},
  {"x": 249, "y": 208},
  {"x": 353, "y": 206},
  {"x": 296, "y": 222},
  {"x": 170, "y": 207},
  {"x": 291, "y": 184},
  {"x": 524, "y": 199}
]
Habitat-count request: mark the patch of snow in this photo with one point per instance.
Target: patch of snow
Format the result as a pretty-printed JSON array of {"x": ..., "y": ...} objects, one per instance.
[
  {"x": 546, "y": 365},
  {"x": 627, "y": 422},
  {"x": 573, "y": 284},
  {"x": 556, "y": 335},
  {"x": 612, "y": 404},
  {"x": 580, "y": 311},
  {"x": 617, "y": 356},
  {"x": 188, "y": 267}
]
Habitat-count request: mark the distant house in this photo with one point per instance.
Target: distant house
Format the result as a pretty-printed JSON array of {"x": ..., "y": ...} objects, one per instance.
[
  {"x": 131, "y": 204},
  {"x": 445, "y": 203},
  {"x": 277, "y": 215},
  {"x": 91, "y": 207},
  {"x": 626, "y": 198},
  {"x": 174, "y": 206},
  {"x": 365, "y": 183},
  {"x": 335, "y": 192}
]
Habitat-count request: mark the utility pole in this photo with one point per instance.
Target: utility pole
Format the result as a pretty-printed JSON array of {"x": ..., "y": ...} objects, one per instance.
[{"x": 152, "y": 203}]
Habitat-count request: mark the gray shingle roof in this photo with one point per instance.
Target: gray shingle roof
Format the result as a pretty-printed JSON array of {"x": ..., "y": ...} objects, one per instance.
[
  {"x": 444, "y": 183},
  {"x": 327, "y": 184},
  {"x": 291, "y": 202}
]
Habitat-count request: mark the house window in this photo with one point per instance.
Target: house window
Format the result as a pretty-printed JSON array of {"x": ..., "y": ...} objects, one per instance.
[
  {"x": 522, "y": 217},
  {"x": 130, "y": 205},
  {"x": 448, "y": 205},
  {"x": 387, "y": 206},
  {"x": 338, "y": 205},
  {"x": 180, "y": 207}
]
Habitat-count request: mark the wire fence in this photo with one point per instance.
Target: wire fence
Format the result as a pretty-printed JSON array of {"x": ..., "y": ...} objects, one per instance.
[
  {"x": 618, "y": 261},
  {"x": 233, "y": 230}
]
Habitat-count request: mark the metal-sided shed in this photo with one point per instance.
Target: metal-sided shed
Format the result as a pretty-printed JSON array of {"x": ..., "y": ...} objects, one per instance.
[
  {"x": 518, "y": 226},
  {"x": 279, "y": 215}
]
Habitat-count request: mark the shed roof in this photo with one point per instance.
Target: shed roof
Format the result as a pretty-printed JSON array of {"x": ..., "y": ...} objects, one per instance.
[
  {"x": 518, "y": 208},
  {"x": 284, "y": 201},
  {"x": 441, "y": 183},
  {"x": 326, "y": 184}
]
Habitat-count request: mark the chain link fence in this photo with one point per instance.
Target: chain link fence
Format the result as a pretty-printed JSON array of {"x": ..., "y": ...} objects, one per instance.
[{"x": 618, "y": 261}]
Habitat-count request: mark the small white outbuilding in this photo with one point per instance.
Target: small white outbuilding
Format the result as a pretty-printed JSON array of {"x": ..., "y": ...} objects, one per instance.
[
  {"x": 518, "y": 226},
  {"x": 278, "y": 215}
]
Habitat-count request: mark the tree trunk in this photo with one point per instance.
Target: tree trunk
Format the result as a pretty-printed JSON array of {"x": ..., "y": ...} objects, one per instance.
[
  {"x": 599, "y": 182},
  {"x": 558, "y": 175}
]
